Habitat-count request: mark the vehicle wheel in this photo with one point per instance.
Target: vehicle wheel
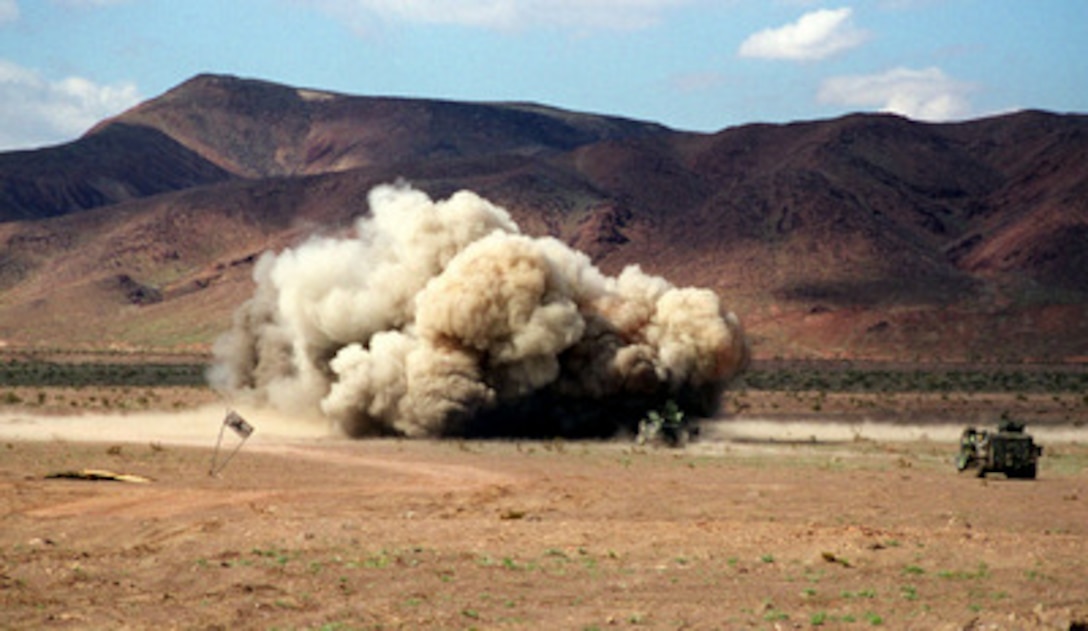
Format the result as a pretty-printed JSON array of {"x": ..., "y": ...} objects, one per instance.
[{"x": 1024, "y": 473}]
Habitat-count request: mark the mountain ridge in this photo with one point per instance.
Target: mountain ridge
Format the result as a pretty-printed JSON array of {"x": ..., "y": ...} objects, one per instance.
[
  {"x": 867, "y": 235},
  {"x": 281, "y": 130}
]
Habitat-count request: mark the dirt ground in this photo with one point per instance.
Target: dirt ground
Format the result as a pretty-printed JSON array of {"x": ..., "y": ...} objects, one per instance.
[{"x": 760, "y": 524}]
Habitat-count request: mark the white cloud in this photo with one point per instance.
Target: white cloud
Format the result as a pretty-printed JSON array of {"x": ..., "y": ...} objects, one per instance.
[
  {"x": 815, "y": 35},
  {"x": 35, "y": 111},
  {"x": 928, "y": 94},
  {"x": 505, "y": 14},
  {"x": 9, "y": 11}
]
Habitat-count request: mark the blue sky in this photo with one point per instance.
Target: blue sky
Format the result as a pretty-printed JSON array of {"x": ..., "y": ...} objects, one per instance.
[{"x": 699, "y": 65}]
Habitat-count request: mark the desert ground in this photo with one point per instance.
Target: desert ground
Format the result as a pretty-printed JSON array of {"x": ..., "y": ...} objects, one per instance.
[{"x": 828, "y": 518}]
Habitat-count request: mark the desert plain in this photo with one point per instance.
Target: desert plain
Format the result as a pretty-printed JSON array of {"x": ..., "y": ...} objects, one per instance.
[{"x": 833, "y": 511}]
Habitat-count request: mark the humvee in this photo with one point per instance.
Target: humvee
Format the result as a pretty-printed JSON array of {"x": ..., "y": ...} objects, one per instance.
[{"x": 1009, "y": 450}]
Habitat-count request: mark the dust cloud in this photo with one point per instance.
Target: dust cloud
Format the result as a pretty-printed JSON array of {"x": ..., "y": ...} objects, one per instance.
[{"x": 439, "y": 318}]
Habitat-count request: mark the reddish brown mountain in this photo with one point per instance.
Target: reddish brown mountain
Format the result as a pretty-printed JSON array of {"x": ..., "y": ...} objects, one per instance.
[
  {"x": 121, "y": 162},
  {"x": 259, "y": 129},
  {"x": 864, "y": 236}
]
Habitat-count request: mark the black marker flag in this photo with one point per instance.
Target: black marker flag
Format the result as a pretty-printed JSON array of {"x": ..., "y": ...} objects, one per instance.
[{"x": 235, "y": 421}]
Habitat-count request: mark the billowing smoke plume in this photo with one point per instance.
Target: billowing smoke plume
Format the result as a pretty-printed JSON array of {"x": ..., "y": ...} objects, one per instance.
[{"x": 441, "y": 319}]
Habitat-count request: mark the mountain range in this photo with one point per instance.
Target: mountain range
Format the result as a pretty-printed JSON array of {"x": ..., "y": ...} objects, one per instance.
[{"x": 868, "y": 236}]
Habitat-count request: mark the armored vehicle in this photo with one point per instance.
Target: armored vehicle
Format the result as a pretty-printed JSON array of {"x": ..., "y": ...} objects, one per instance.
[
  {"x": 670, "y": 427},
  {"x": 1009, "y": 450}
]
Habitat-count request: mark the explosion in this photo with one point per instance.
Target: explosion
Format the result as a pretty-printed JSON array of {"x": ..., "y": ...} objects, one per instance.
[{"x": 442, "y": 319}]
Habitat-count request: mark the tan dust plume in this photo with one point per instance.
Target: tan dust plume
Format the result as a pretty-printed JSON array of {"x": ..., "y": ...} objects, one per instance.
[{"x": 442, "y": 319}]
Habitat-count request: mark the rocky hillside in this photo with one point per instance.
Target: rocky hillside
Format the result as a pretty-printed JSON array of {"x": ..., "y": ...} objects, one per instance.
[
  {"x": 120, "y": 163},
  {"x": 864, "y": 236}
]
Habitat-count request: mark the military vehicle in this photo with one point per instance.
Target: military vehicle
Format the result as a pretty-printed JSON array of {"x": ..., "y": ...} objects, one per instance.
[
  {"x": 670, "y": 427},
  {"x": 1009, "y": 450}
]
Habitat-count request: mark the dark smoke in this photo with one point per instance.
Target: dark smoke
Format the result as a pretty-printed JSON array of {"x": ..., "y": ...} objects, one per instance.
[{"x": 441, "y": 319}]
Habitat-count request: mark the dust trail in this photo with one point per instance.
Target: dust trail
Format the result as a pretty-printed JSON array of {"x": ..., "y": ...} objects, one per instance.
[
  {"x": 196, "y": 427},
  {"x": 442, "y": 319}
]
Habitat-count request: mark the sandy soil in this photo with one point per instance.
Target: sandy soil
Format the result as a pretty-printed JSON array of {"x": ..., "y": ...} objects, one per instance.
[{"x": 761, "y": 524}]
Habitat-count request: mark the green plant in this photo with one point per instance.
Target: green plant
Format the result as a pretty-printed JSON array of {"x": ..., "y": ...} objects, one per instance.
[
  {"x": 982, "y": 572},
  {"x": 864, "y": 593},
  {"x": 377, "y": 561}
]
